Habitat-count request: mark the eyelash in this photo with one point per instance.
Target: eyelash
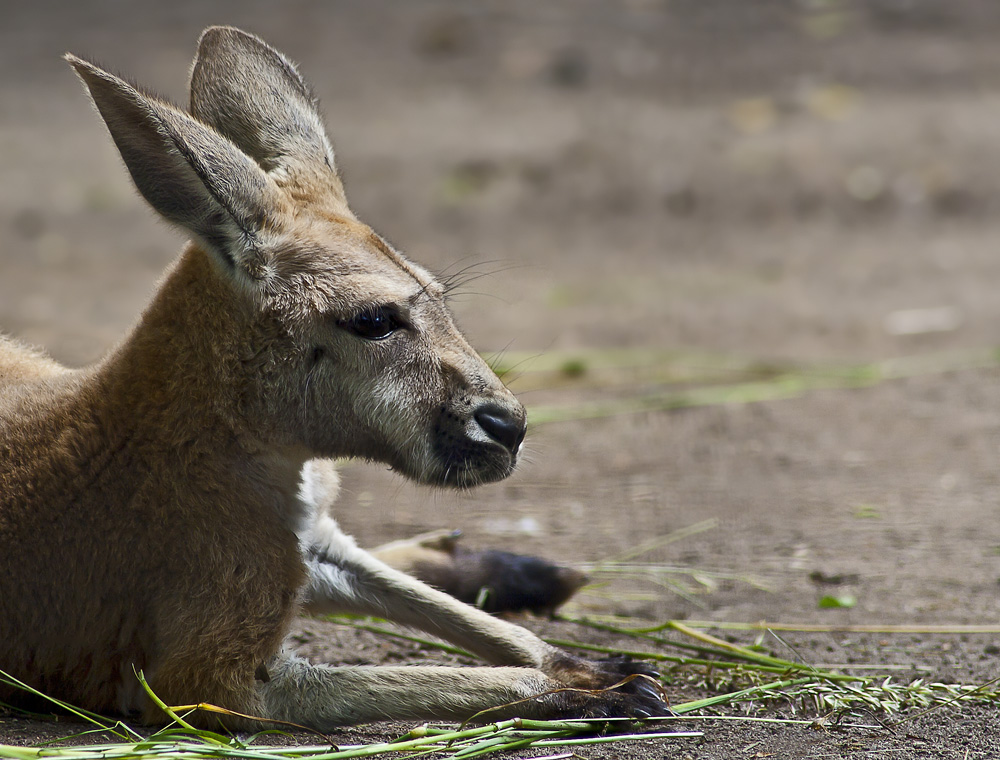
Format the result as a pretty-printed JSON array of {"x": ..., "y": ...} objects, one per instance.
[{"x": 376, "y": 323}]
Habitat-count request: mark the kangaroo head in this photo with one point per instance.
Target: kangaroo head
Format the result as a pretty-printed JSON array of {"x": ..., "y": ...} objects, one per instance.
[{"x": 334, "y": 343}]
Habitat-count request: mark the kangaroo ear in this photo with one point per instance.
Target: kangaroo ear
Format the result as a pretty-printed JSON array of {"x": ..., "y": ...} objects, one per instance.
[
  {"x": 190, "y": 174},
  {"x": 254, "y": 95}
]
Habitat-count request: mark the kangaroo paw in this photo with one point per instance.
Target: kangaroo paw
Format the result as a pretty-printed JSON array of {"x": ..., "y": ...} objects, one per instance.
[{"x": 616, "y": 687}]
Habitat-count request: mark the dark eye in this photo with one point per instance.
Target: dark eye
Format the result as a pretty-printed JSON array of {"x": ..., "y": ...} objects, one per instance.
[{"x": 374, "y": 324}]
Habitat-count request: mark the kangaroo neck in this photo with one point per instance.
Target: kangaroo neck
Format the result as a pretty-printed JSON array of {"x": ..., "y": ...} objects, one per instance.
[
  {"x": 181, "y": 371},
  {"x": 178, "y": 355},
  {"x": 168, "y": 399}
]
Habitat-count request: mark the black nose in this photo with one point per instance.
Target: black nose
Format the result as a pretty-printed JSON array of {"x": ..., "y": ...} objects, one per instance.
[{"x": 501, "y": 425}]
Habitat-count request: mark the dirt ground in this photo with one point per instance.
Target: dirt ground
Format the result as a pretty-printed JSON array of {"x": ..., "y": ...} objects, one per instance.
[{"x": 775, "y": 181}]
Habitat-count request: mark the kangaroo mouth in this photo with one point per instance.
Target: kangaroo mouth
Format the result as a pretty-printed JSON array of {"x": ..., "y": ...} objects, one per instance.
[
  {"x": 478, "y": 447},
  {"x": 470, "y": 469}
]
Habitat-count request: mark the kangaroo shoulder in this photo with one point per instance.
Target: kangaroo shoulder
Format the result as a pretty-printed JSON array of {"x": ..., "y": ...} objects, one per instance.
[
  {"x": 29, "y": 380},
  {"x": 20, "y": 363}
]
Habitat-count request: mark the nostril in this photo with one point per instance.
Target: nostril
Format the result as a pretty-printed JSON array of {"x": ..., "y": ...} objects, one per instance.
[{"x": 502, "y": 426}]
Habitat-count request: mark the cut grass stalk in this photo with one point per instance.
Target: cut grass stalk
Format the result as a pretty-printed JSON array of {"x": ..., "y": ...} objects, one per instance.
[
  {"x": 99, "y": 721},
  {"x": 962, "y": 695},
  {"x": 704, "y": 578},
  {"x": 775, "y": 667},
  {"x": 689, "y": 718},
  {"x": 690, "y": 661},
  {"x": 172, "y": 715},
  {"x": 433, "y": 644},
  {"x": 462, "y": 744},
  {"x": 765, "y": 381},
  {"x": 181, "y": 740},
  {"x": 571, "y": 742},
  {"x": 826, "y": 691},
  {"x": 742, "y": 695},
  {"x": 666, "y": 584},
  {"x": 658, "y": 543},
  {"x": 815, "y": 689},
  {"x": 743, "y": 393},
  {"x": 740, "y": 651},
  {"x": 710, "y": 645},
  {"x": 835, "y": 628}
]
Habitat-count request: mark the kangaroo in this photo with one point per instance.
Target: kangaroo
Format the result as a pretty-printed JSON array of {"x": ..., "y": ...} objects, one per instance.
[{"x": 164, "y": 510}]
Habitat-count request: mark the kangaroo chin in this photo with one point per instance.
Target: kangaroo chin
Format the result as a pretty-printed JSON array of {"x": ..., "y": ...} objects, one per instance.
[{"x": 165, "y": 510}]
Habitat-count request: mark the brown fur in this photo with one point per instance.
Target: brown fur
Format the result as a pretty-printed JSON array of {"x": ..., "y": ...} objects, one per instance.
[{"x": 159, "y": 512}]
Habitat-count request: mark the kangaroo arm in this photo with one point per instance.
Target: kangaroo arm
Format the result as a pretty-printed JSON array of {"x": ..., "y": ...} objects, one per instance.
[
  {"x": 544, "y": 682},
  {"x": 345, "y": 578}
]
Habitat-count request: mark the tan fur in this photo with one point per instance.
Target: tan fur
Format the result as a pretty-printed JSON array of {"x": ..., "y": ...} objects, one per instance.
[{"x": 159, "y": 511}]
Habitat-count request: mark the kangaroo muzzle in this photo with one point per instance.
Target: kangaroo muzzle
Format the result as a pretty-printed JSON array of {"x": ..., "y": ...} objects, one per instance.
[{"x": 478, "y": 443}]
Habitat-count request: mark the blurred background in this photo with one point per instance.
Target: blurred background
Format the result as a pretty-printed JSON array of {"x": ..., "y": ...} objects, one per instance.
[{"x": 646, "y": 199}]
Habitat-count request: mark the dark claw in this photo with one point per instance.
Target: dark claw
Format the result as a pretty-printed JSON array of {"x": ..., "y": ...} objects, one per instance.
[
  {"x": 660, "y": 711},
  {"x": 641, "y": 697},
  {"x": 616, "y": 687},
  {"x": 646, "y": 690}
]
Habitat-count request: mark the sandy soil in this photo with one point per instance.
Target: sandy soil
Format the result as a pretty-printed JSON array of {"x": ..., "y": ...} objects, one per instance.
[{"x": 773, "y": 181}]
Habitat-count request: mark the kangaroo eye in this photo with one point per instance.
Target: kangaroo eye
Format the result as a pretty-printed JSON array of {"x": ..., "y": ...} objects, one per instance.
[{"x": 374, "y": 324}]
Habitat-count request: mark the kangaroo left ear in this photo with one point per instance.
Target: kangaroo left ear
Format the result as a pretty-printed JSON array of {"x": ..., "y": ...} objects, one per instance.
[
  {"x": 187, "y": 172},
  {"x": 253, "y": 95}
]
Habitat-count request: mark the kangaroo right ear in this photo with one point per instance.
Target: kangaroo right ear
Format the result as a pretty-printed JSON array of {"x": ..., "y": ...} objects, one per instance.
[
  {"x": 187, "y": 172},
  {"x": 255, "y": 96}
]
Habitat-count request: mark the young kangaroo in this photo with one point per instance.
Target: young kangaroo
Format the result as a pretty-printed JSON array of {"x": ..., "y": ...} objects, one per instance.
[{"x": 164, "y": 510}]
